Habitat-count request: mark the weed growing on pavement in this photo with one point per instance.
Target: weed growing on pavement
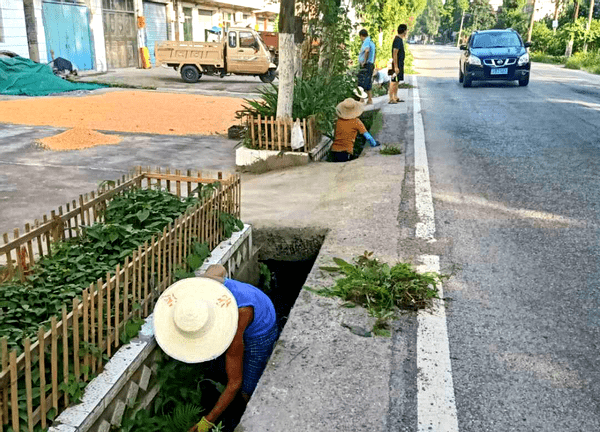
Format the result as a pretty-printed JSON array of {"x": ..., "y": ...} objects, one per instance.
[
  {"x": 389, "y": 149},
  {"x": 382, "y": 289}
]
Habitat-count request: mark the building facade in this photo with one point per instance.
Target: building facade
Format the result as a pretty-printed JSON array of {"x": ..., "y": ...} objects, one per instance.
[{"x": 107, "y": 34}]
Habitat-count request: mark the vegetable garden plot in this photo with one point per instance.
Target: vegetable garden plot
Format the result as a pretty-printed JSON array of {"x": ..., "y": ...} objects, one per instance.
[{"x": 95, "y": 273}]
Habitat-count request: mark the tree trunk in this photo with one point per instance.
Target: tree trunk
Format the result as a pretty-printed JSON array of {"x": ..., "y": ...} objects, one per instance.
[
  {"x": 287, "y": 49},
  {"x": 589, "y": 24},
  {"x": 569, "y": 49}
]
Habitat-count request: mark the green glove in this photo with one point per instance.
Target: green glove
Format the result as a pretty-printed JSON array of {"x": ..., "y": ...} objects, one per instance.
[{"x": 204, "y": 425}]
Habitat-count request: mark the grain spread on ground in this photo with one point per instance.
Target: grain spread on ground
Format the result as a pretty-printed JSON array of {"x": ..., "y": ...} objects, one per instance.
[
  {"x": 78, "y": 138},
  {"x": 128, "y": 111}
]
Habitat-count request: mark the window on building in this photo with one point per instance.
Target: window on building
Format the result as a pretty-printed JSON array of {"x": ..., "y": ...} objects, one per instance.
[
  {"x": 118, "y": 5},
  {"x": 232, "y": 39},
  {"x": 204, "y": 12},
  {"x": 246, "y": 17}
]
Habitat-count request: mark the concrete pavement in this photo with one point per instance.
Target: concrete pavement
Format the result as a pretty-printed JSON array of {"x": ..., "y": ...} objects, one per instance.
[
  {"x": 167, "y": 79},
  {"x": 321, "y": 377}
]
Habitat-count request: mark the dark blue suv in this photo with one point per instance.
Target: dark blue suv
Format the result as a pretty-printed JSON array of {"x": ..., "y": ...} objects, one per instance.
[{"x": 494, "y": 55}]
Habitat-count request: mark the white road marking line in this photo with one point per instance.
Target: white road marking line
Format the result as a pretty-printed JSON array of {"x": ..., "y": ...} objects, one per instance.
[{"x": 436, "y": 405}]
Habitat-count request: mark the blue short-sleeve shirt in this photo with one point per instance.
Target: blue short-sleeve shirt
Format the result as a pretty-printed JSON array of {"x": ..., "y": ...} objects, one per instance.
[{"x": 367, "y": 43}]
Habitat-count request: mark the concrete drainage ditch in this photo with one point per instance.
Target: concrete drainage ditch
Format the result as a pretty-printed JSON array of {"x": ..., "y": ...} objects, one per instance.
[{"x": 277, "y": 260}]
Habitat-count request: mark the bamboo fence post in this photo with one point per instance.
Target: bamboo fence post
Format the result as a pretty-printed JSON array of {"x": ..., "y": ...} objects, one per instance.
[
  {"x": 87, "y": 210},
  {"x": 42, "y": 366},
  {"x": 126, "y": 293},
  {"x": 189, "y": 183},
  {"x": 146, "y": 251},
  {"x": 272, "y": 139},
  {"x": 100, "y": 324},
  {"x": 278, "y": 122},
  {"x": 168, "y": 171},
  {"x": 180, "y": 232},
  {"x": 86, "y": 336},
  {"x": 28, "y": 390},
  {"x": 158, "y": 253},
  {"x": 14, "y": 391},
  {"x": 76, "y": 368},
  {"x": 47, "y": 236},
  {"x": 5, "y": 403},
  {"x": 252, "y": 130},
  {"x": 158, "y": 180},
  {"x": 82, "y": 211},
  {"x": 39, "y": 240},
  {"x": 108, "y": 315},
  {"x": 152, "y": 269},
  {"x": 29, "y": 246},
  {"x": 306, "y": 142},
  {"x": 178, "y": 184},
  {"x": 169, "y": 252},
  {"x": 54, "y": 362},
  {"x": 134, "y": 280},
  {"x": 259, "y": 132},
  {"x": 65, "y": 338},
  {"x": 9, "y": 264},
  {"x": 139, "y": 282},
  {"x": 117, "y": 302},
  {"x": 93, "y": 325}
]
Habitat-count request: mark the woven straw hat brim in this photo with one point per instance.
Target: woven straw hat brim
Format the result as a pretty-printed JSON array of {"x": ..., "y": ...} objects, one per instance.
[
  {"x": 214, "y": 339},
  {"x": 349, "y": 113}
]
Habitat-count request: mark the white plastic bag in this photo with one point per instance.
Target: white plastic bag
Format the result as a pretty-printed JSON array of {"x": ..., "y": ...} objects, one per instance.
[{"x": 297, "y": 136}]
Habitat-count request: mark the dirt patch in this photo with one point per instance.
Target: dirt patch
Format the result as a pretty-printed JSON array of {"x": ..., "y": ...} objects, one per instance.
[
  {"x": 78, "y": 138},
  {"x": 128, "y": 111}
]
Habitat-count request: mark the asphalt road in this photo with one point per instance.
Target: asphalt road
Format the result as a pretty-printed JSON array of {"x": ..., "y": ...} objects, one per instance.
[{"x": 515, "y": 184}]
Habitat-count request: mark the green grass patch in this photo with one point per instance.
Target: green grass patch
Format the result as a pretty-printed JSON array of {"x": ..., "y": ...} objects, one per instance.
[
  {"x": 389, "y": 149},
  {"x": 383, "y": 289},
  {"x": 590, "y": 62},
  {"x": 546, "y": 58}
]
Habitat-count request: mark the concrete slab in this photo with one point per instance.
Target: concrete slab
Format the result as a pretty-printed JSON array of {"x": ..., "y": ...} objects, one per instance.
[{"x": 322, "y": 377}]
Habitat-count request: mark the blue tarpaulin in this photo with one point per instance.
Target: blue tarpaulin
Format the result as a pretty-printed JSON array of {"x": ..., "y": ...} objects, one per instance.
[{"x": 21, "y": 76}]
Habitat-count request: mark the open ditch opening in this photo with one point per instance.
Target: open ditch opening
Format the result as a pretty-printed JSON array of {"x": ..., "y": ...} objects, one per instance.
[{"x": 285, "y": 258}]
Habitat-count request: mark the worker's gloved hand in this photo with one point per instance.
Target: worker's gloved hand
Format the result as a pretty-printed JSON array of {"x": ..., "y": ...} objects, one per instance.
[
  {"x": 202, "y": 426},
  {"x": 371, "y": 140}
]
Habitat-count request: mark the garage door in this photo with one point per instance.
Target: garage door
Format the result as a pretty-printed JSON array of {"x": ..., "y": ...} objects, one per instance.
[
  {"x": 67, "y": 32},
  {"x": 156, "y": 26},
  {"x": 120, "y": 33}
]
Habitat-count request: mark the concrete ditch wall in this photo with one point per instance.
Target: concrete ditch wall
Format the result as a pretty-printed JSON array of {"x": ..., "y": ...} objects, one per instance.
[{"x": 129, "y": 378}]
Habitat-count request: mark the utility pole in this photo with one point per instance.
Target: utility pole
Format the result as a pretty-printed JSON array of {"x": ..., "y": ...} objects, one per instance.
[
  {"x": 531, "y": 22},
  {"x": 460, "y": 31},
  {"x": 589, "y": 24}
]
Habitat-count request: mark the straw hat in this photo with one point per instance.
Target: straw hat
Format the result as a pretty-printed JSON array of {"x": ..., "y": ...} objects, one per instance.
[
  {"x": 349, "y": 109},
  {"x": 195, "y": 320},
  {"x": 360, "y": 93}
]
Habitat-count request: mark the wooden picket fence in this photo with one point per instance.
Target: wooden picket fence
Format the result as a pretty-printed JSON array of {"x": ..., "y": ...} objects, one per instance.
[
  {"x": 269, "y": 133},
  {"x": 78, "y": 342}
]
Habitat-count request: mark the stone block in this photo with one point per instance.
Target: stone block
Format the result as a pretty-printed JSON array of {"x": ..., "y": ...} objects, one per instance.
[
  {"x": 145, "y": 377},
  {"x": 117, "y": 415}
]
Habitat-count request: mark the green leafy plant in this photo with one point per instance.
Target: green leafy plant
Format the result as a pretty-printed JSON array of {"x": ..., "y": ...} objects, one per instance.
[
  {"x": 265, "y": 278},
  {"x": 383, "y": 289},
  {"x": 230, "y": 224},
  {"x": 199, "y": 253},
  {"x": 389, "y": 149}
]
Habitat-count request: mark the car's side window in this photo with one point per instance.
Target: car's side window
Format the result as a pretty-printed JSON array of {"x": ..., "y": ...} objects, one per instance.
[
  {"x": 232, "y": 39},
  {"x": 247, "y": 40}
]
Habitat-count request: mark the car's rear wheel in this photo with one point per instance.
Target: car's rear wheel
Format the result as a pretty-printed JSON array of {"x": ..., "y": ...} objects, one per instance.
[
  {"x": 190, "y": 74},
  {"x": 461, "y": 76},
  {"x": 523, "y": 82},
  {"x": 467, "y": 81}
]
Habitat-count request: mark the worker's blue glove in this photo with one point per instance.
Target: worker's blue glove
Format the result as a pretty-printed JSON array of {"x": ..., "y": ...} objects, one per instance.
[{"x": 371, "y": 140}]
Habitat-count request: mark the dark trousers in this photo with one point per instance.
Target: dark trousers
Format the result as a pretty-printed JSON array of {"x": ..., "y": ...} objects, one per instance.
[{"x": 341, "y": 156}]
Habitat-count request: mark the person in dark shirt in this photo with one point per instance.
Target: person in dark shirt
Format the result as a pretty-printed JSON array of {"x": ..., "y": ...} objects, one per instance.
[{"x": 397, "y": 70}]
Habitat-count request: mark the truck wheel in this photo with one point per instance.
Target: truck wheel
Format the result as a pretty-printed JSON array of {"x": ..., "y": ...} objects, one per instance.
[
  {"x": 190, "y": 74},
  {"x": 268, "y": 77}
]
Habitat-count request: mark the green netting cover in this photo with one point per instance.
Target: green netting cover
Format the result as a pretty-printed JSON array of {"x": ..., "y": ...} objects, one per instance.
[{"x": 21, "y": 76}]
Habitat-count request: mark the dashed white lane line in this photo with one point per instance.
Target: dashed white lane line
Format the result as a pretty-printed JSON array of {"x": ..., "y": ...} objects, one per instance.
[{"x": 436, "y": 406}]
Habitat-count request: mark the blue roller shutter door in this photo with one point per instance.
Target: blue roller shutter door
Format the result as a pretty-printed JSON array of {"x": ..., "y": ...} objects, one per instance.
[{"x": 156, "y": 26}]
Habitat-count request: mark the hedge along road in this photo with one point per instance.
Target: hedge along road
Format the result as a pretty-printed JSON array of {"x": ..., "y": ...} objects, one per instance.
[{"x": 157, "y": 129}]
